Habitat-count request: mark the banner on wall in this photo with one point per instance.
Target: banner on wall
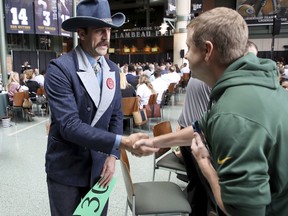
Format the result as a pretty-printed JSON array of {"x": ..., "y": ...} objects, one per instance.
[
  {"x": 196, "y": 6},
  {"x": 64, "y": 12},
  {"x": 262, "y": 12},
  {"x": 19, "y": 16},
  {"x": 46, "y": 19},
  {"x": 170, "y": 8}
]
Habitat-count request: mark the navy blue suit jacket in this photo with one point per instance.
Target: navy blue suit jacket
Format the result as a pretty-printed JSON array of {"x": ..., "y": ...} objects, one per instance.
[{"x": 83, "y": 123}]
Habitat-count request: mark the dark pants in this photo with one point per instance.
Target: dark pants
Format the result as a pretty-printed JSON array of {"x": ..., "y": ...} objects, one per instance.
[
  {"x": 199, "y": 193},
  {"x": 64, "y": 199},
  {"x": 197, "y": 187}
]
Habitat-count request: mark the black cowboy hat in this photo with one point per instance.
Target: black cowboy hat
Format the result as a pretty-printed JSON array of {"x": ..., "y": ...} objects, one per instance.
[{"x": 93, "y": 13}]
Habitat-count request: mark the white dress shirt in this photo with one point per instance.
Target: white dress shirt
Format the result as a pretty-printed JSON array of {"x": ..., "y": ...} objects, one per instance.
[{"x": 159, "y": 86}]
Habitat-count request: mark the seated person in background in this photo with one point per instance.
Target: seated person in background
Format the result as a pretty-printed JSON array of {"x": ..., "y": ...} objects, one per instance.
[
  {"x": 13, "y": 86},
  {"x": 144, "y": 90},
  {"x": 131, "y": 76},
  {"x": 25, "y": 66},
  {"x": 284, "y": 83},
  {"x": 31, "y": 84},
  {"x": 40, "y": 78},
  {"x": 127, "y": 89},
  {"x": 172, "y": 76},
  {"x": 178, "y": 69},
  {"x": 152, "y": 69},
  {"x": 184, "y": 69},
  {"x": 22, "y": 79},
  {"x": 163, "y": 69},
  {"x": 139, "y": 71},
  {"x": 159, "y": 85},
  {"x": 124, "y": 69}
]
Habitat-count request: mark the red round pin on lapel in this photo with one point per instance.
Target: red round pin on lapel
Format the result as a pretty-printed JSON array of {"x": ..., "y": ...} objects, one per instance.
[{"x": 110, "y": 83}]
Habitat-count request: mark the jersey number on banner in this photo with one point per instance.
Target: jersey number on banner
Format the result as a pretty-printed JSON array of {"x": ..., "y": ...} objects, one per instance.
[
  {"x": 64, "y": 17},
  {"x": 46, "y": 22},
  {"x": 21, "y": 16}
]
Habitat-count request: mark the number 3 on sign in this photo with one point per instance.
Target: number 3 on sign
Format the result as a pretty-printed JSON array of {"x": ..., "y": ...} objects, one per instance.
[
  {"x": 21, "y": 16},
  {"x": 46, "y": 22},
  {"x": 94, "y": 201}
]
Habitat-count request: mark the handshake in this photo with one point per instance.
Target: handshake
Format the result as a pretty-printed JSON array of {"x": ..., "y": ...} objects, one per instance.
[{"x": 138, "y": 144}]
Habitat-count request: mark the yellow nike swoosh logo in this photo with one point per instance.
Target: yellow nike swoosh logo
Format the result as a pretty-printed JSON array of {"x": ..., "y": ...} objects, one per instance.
[{"x": 221, "y": 162}]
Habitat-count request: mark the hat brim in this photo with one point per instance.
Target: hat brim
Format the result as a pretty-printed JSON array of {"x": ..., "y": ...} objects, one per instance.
[{"x": 72, "y": 24}]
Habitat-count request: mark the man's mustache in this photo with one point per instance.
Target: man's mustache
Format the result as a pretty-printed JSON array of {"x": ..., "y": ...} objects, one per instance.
[{"x": 104, "y": 43}]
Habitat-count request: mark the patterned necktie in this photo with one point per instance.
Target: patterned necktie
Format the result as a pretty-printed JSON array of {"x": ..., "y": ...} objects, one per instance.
[{"x": 97, "y": 68}]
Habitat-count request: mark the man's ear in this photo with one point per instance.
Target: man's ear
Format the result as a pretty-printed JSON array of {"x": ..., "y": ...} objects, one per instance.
[
  {"x": 81, "y": 33},
  {"x": 209, "y": 49}
]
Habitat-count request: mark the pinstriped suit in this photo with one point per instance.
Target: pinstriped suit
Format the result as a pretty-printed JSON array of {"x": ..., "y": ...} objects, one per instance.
[{"x": 84, "y": 125}]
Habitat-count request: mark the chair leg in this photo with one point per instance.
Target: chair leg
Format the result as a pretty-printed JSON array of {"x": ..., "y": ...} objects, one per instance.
[
  {"x": 126, "y": 209},
  {"x": 149, "y": 121},
  {"x": 38, "y": 110},
  {"x": 131, "y": 125},
  {"x": 14, "y": 117},
  {"x": 153, "y": 177},
  {"x": 169, "y": 176},
  {"x": 133, "y": 206}
]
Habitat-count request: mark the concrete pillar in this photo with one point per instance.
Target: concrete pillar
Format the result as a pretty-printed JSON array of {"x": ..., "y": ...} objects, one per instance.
[
  {"x": 183, "y": 8},
  {"x": 3, "y": 43}
]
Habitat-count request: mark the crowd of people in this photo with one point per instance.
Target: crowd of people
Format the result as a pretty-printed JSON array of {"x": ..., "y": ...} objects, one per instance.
[
  {"x": 28, "y": 80},
  {"x": 283, "y": 73},
  {"x": 148, "y": 78}
]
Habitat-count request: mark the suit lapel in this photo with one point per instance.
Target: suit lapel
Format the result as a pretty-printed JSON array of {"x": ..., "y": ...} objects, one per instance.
[
  {"x": 108, "y": 91},
  {"x": 90, "y": 82},
  {"x": 87, "y": 76}
]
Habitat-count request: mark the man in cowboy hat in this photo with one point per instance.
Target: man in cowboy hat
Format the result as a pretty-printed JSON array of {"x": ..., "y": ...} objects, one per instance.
[{"x": 86, "y": 114}]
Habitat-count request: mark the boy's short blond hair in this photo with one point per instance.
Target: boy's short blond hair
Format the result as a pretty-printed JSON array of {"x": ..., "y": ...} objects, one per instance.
[{"x": 225, "y": 28}]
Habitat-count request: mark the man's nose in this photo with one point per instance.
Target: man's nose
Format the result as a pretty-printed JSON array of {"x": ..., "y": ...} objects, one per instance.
[
  {"x": 106, "y": 33},
  {"x": 186, "y": 55}
]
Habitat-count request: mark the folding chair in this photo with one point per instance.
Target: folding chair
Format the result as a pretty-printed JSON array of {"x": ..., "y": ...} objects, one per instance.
[
  {"x": 162, "y": 105},
  {"x": 130, "y": 105},
  {"x": 152, "y": 99},
  {"x": 18, "y": 100},
  {"x": 170, "y": 93},
  {"x": 186, "y": 78},
  {"x": 146, "y": 198},
  {"x": 153, "y": 109},
  {"x": 164, "y": 158},
  {"x": 40, "y": 100}
]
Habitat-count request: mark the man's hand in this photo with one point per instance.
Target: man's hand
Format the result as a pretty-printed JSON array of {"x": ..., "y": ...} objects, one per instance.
[
  {"x": 108, "y": 171},
  {"x": 143, "y": 142},
  {"x": 141, "y": 150},
  {"x": 201, "y": 155}
]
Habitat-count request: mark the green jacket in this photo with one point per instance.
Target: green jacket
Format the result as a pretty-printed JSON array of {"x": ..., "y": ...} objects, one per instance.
[{"x": 247, "y": 131}]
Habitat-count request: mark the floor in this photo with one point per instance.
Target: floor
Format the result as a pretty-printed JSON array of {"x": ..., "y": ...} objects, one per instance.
[{"x": 23, "y": 189}]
